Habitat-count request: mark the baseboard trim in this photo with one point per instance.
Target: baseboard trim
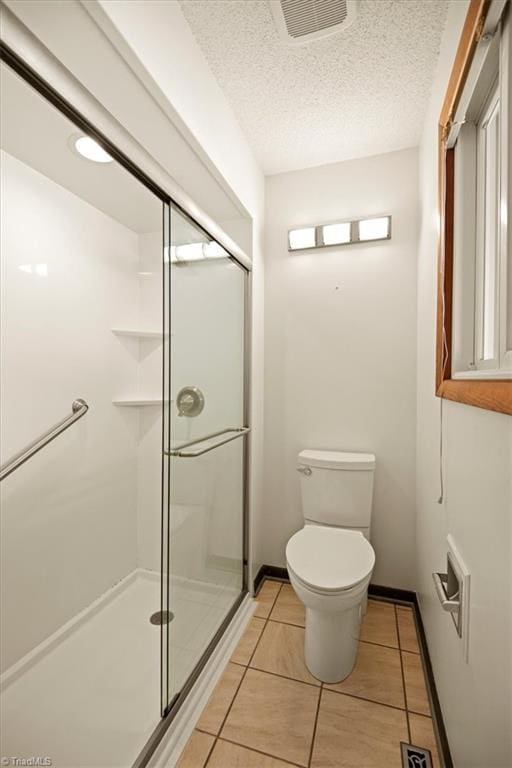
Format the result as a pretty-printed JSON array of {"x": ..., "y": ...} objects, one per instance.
[
  {"x": 435, "y": 705},
  {"x": 272, "y": 572},
  {"x": 395, "y": 595}
]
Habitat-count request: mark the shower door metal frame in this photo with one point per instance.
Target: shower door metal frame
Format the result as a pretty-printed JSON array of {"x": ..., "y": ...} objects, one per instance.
[
  {"x": 24, "y": 53},
  {"x": 170, "y": 711}
]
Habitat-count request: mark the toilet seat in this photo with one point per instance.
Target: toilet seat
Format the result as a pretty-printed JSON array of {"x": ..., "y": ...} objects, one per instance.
[{"x": 330, "y": 560}]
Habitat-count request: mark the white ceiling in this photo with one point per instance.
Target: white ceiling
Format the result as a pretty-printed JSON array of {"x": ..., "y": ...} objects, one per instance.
[{"x": 360, "y": 92}]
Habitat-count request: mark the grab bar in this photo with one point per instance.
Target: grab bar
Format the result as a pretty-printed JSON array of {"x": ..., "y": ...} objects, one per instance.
[
  {"x": 178, "y": 451},
  {"x": 79, "y": 408}
]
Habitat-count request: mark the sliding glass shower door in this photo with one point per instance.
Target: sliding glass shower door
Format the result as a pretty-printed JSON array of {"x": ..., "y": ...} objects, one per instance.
[
  {"x": 82, "y": 265},
  {"x": 123, "y": 441},
  {"x": 207, "y": 436}
]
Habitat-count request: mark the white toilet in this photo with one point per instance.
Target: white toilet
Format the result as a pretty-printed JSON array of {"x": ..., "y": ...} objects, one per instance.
[{"x": 330, "y": 561}]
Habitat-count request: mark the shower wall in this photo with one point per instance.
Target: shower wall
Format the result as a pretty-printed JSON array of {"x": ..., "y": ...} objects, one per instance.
[
  {"x": 149, "y": 419},
  {"x": 206, "y": 350},
  {"x": 69, "y": 514}
]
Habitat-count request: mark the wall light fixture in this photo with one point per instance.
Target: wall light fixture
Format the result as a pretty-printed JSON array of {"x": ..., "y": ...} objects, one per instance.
[{"x": 340, "y": 233}]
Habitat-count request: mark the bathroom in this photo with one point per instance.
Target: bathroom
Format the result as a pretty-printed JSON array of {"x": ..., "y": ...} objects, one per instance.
[{"x": 256, "y": 503}]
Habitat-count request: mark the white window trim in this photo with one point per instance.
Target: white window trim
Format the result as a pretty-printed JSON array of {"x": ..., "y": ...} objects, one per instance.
[
  {"x": 490, "y": 112},
  {"x": 500, "y": 367},
  {"x": 505, "y": 287}
]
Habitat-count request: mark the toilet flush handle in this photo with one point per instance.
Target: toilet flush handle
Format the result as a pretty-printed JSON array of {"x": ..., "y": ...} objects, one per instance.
[{"x": 305, "y": 470}]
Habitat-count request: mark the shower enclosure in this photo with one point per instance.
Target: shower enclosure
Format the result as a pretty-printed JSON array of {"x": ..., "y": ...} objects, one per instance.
[{"x": 124, "y": 437}]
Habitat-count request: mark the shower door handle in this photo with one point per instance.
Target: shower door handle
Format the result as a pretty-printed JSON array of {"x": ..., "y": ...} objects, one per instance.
[{"x": 227, "y": 436}]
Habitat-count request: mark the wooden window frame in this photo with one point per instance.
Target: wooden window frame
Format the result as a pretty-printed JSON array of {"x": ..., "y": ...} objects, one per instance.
[{"x": 495, "y": 395}]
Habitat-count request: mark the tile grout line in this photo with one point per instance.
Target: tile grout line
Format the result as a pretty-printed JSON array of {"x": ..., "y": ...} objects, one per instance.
[
  {"x": 403, "y": 677},
  {"x": 316, "y": 686},
  {"x": 380, "y": 645},
  {"x": 425, "y": 684},
  {"x": 268, "y": 619},
  {"x": 320, "y": 684},
  {"x": 325, "y": 687},
  {"x": 363, "y": 698},
  {"x": 211, "y": 747},
  {"x": 259, "y": 752},
  {"x": 313, "y": 736},
  {"x": 217, "y": 736},
  {"x": 302, "y": 626}
]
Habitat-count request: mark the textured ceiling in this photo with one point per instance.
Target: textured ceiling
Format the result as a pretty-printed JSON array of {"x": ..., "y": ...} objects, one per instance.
[{"x": 360, "y": 92}]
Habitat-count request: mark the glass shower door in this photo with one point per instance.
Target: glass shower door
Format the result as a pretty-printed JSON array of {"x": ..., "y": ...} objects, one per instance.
[
  {"x": 207, "y": 444},
  {"x": 82, "y": 261}
]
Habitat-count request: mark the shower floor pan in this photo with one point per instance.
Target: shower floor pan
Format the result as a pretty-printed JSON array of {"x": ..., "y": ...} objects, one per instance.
[{"x": 90, "y": 694}]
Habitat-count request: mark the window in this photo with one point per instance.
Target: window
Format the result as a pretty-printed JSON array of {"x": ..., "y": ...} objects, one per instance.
[
  {"x": 488, "y": 235},
  {"x": 474, "y": 342}
]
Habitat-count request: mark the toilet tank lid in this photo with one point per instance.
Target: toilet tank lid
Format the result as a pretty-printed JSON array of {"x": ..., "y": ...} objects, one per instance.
[{"x": 337, "y": 460}]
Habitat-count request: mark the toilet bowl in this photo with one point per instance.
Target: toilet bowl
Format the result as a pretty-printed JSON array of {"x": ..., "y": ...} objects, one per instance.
[
  {"x": 330, "y": 566},
  {"x": 330, "y": 570}
]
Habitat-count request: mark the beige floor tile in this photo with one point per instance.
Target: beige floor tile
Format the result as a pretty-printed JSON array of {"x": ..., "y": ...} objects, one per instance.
[
  {"x": 377, "y": 676},
  {"x": 244, "y": 650},
  {"x": 274, "y": 715},
  {"x": 222, "y": 696},
  {"x": 379, "y": 624},
  {"x": 288, "y": 607},
  {"x": 227, "y": 755},
  {"x": 281, "y": 651},
  {"x": 415, "y": 689},
  {"x": 196, "y": 751},
  {"x": 352, "y": 733},
  {"x": 422, "y": 735},
  {"x": 266, "y": 597},
  {"x": 407, "y": 630}
]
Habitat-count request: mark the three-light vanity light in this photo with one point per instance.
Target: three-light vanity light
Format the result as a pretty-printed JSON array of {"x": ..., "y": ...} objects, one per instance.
[{"x": 340, "y": 233}]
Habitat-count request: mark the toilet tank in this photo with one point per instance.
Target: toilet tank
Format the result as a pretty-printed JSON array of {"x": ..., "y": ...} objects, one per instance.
[{"x": 337, "y": 488}]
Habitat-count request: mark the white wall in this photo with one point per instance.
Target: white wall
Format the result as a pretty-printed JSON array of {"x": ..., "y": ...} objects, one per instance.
[
  {"x": 475, "y": 696},
  {"x": 69, "y": 514},
  {"x": 341, "y": 348}
]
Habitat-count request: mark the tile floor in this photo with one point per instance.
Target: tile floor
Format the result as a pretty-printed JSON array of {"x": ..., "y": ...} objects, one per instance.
[{"x": 268, "y": 711}]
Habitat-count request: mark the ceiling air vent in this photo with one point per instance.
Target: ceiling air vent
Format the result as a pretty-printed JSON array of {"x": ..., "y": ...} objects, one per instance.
[{"x": 300, "y": 21}]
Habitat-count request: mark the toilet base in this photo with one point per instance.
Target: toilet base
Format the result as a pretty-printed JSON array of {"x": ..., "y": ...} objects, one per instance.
[{"x": 330, "y": 647}]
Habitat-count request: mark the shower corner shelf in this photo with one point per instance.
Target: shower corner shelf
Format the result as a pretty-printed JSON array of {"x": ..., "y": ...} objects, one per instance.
[
  {"x": 135, "y": 402},
  {"x": 138, "y": 334}
]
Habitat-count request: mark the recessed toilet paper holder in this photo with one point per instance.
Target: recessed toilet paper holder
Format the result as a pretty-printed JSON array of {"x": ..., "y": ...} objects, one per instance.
[{"x": 450, "y": 591}]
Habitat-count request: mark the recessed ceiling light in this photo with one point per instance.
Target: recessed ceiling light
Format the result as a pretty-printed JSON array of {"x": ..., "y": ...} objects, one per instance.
[{"x": 91, "y": 150}]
